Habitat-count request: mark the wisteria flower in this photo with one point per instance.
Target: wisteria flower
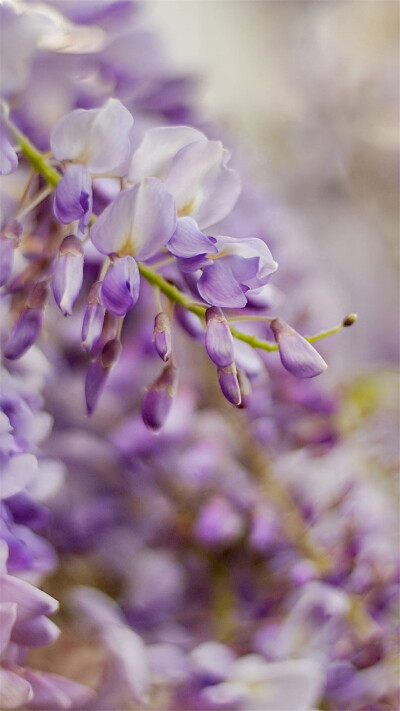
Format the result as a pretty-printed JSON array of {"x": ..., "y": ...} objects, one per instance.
[
  {"x": 97, "y": 138},
  {"x": 193, "y": 168}
]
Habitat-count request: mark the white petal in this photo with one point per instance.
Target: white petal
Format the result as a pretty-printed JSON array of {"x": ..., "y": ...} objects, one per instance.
[{"x": 158, "y": 148}]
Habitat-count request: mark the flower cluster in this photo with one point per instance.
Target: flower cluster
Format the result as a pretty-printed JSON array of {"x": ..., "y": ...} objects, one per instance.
[{"x": 244, "y": 558}]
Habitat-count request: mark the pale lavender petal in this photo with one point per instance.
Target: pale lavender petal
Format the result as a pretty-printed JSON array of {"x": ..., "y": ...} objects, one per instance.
[
  {"x": 68, "y": 274},
  {"x": 130, "y": 655},
  {"x": 217, "y": 286},
  {"x": 188, "y": 241},
  {"x": 157, "y": 149},
  {"x": 73, "y": 198},
  {"x": 8, "y": 156},
  {"x": 201, "y": 183},
  {"x": 98, "y": 138},
  {"x": 7, "y": 247},
  {"x": 52, "y": 692},
  {"x": 279, "y": 686},
  {"x": 15, "y": 692},
  {"x": 17, "y": 474},
  {"x": 298, "y": 356},
  {"x": 8, "y": 614},
  {"x": 95, "y": 606},
  {"x": 120, "y": 287},
  {"x": 219, "y": 339},
  {"x": 213, "y": 660},
  {"x": 139, "y": 222},
  {"x": 26, "y": 331},
  {"x": 30, "y": 601}
]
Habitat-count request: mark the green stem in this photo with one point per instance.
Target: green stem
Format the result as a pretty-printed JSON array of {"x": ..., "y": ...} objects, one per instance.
[{"x": 37, "y": 160}]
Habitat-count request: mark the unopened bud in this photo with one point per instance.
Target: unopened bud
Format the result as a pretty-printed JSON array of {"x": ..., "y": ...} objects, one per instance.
[
  {"x": 158, "y": 399},
  {"x": 219, "y": 340},
  {"x": 68, "y": 274},
  {"x": 162, "y": 335},
  {"x": 120, "y": 287},
  {"x": 93, "y": 319},
  {"x": 298, "y": 356},
  {"x": 349, "y": 320},
  {"x": 98, "y": 371},
  {"x": 25, "y": 333},
  {"x": 229, "y": 384}
]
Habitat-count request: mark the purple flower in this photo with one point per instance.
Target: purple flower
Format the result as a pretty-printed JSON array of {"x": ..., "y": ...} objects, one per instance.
[
  {"x": 120, "y": 287},
  {"x": 158, "y": 399},
  {"x": 241, "y": 268},
  {"x": 219, "y": 340},
  {"x": 193, "y": 168},
  {"x": 97, "y": 138},
  {"x": 162, "y": 335},
  {"x": 98, "y": 372},
  {"x": 68, "y": 274},
  {"x": 298, "y": 356},
  {"x": 139, "y": 222},
  {"x": 73, "y": 198}
]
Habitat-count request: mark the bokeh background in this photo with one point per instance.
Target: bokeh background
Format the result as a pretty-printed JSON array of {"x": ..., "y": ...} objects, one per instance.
[{"x": 311, "y": 90}]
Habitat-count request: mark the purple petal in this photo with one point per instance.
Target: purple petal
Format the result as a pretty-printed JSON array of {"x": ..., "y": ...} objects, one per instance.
[
  {"x": 120, "y": 288},
  {"x": 6, "y": 258},
  {"x": 188, "y": 241},
  {"x": 229, "y": 384},
  {"x": 158, "y": 400},
  {"x": 35, "y": 633},
  {"x": 139, "y": 222},
  {"x": 73, "y": 199},
  {"x": 298, "y": 356},
  {"x": 162, "y": 335},
  {"x": 17, "y": 474},
  {"x": 219, "y": 340},
  {"x": 98, "y": 371},
  {"x": 68, "y": 274},
  {"x": 218, "y": 286},
  {"x": 26, "y": 331}
]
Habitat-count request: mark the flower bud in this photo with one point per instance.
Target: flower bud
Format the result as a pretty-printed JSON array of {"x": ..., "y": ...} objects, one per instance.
[
  {"x": 219, "y": 340},
  {"x": 349, "y": 320},
  {"x": 158, "y": 399},
  {"x": 68, "y": 274},
  {"x": 98, "y": 371},
  {"x": 93, "y": 319},
  {"x": 73, "y": 198},
  {"x": 120, "y": 287},
  {"x": 29, "y": 325},
  {"x": 229, "y": 384},
  {"x": 298, "y": 356},
  {"x": 162, "y": 335}
]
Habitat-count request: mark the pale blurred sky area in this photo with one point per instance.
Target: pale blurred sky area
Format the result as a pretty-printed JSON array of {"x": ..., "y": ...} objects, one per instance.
[{"x": 314, "y": 85}]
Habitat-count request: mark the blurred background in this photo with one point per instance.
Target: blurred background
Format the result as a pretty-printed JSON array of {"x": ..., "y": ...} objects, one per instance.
[{"x": 311, "y": 90}]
